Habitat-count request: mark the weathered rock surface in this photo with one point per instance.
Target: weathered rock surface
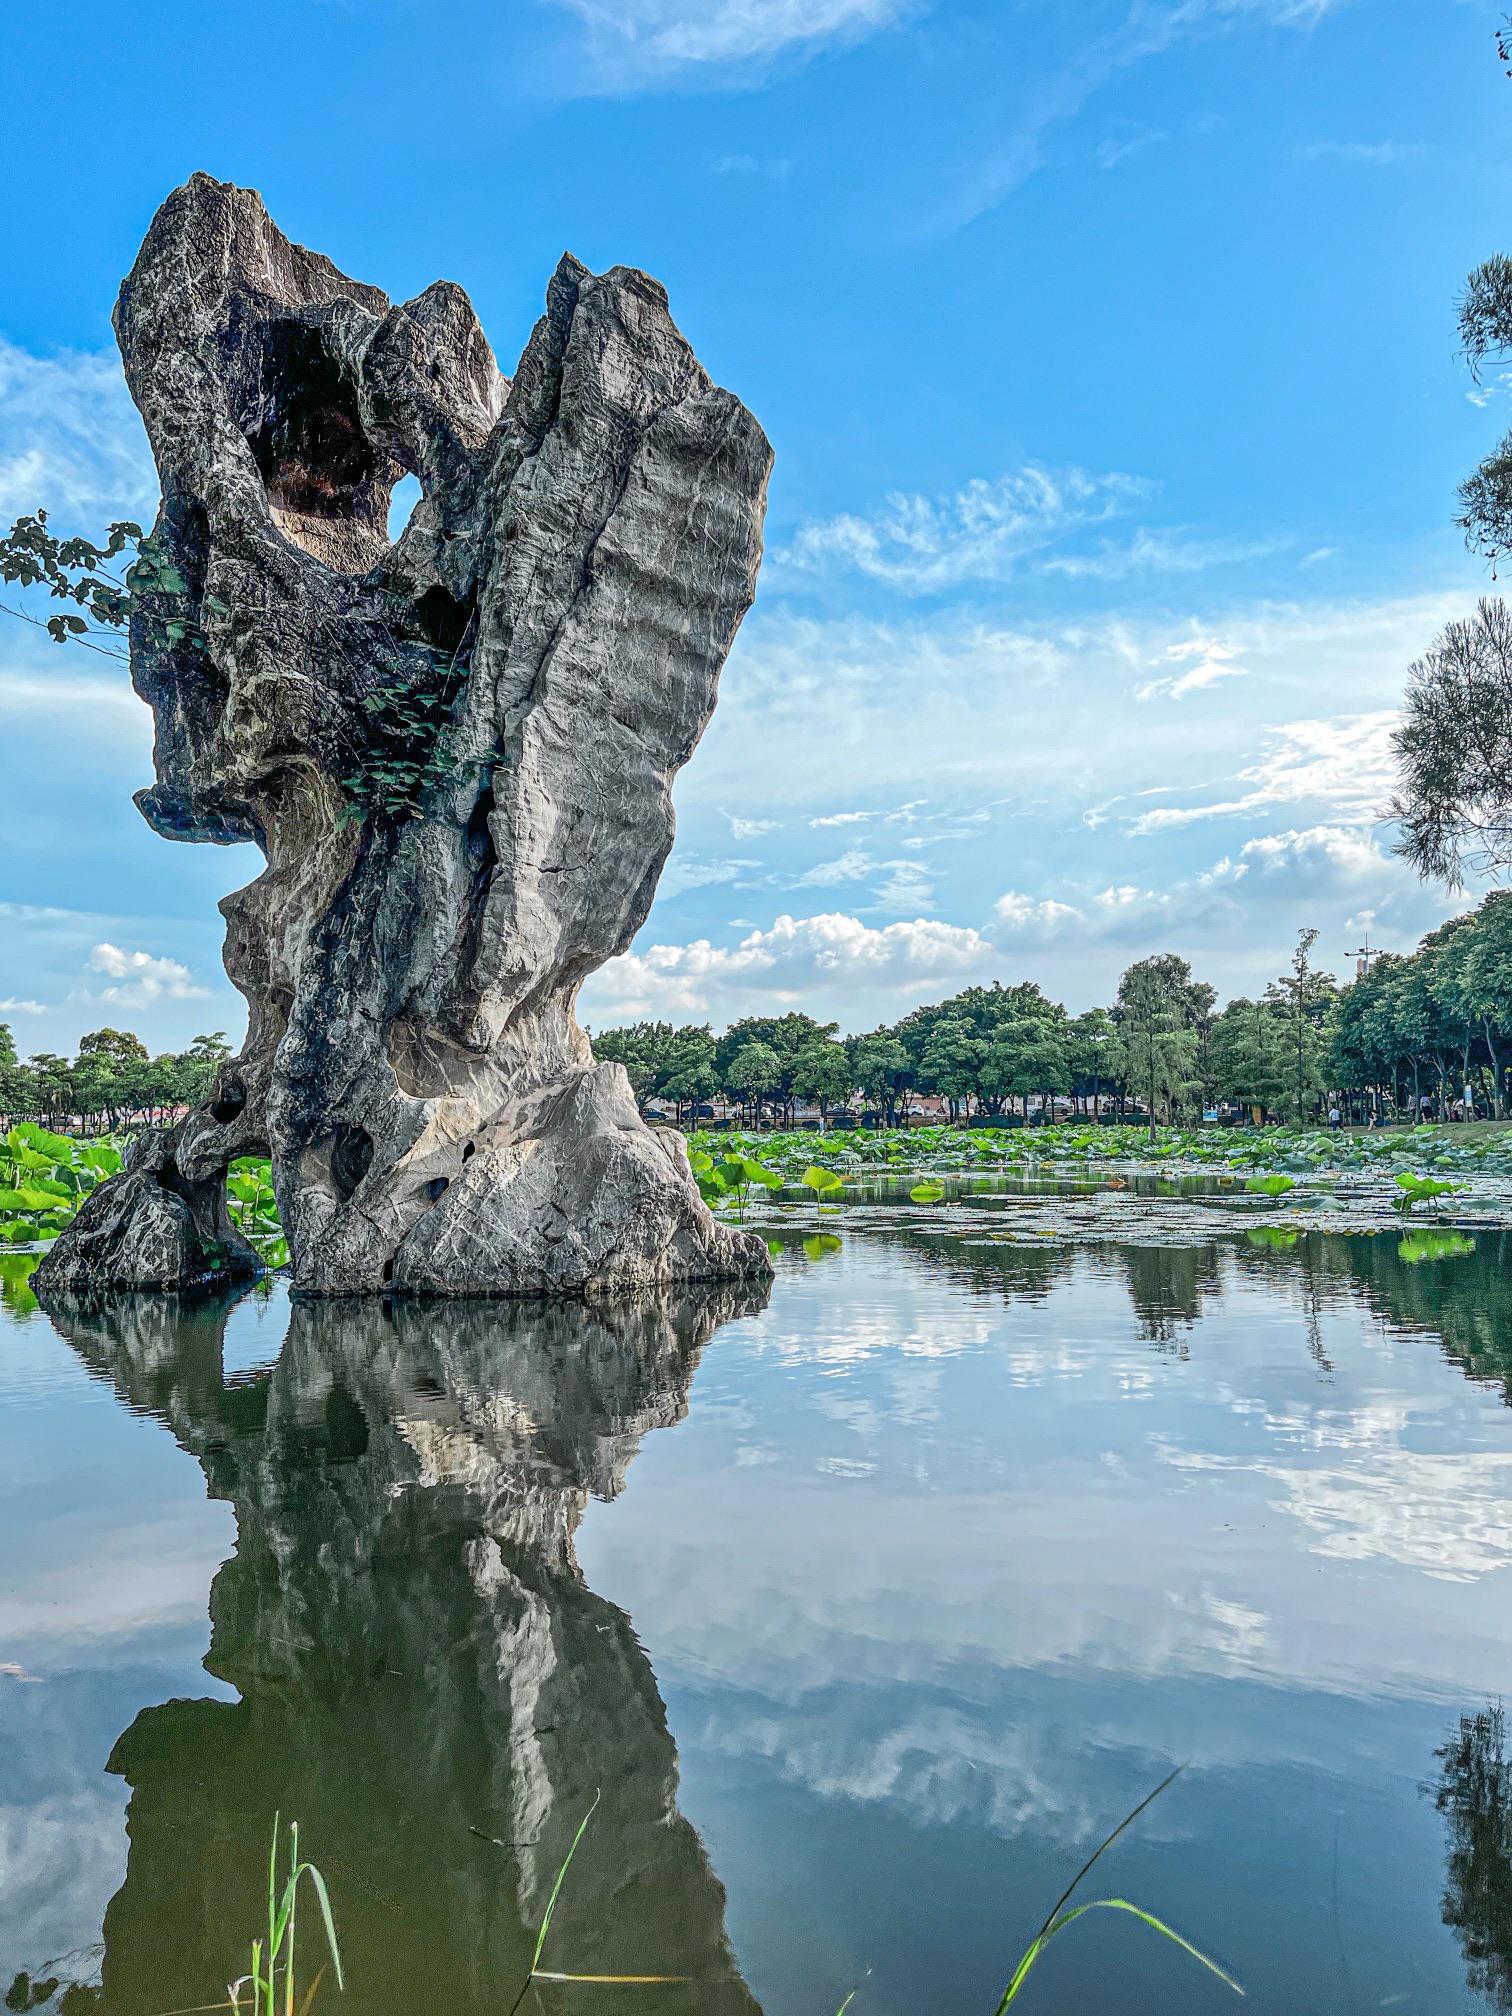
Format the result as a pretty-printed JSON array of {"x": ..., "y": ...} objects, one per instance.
[
  {"x": 421, "y": 1673},
  {"x": 456, "y": 752}
]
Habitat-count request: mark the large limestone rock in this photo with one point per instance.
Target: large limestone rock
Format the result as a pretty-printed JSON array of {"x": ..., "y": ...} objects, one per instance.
[{"x": 456, "y": 752}]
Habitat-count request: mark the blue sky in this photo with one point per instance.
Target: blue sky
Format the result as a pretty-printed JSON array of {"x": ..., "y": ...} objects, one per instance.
[{"x": 1108, "y": 353}]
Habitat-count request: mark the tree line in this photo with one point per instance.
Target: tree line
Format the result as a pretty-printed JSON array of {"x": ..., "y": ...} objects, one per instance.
[
  {"x": 112, "y": 1083},
  {"x": 1422, "y": 1026}
]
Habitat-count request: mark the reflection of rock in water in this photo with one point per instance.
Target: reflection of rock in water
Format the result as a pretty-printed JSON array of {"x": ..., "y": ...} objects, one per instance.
[
  {"x": 1474, "y": 1793},
  {"x": 423, "y": 1672}
]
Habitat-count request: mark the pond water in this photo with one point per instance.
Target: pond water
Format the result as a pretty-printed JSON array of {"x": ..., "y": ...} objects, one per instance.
[{"x": 866, "y": 1610}]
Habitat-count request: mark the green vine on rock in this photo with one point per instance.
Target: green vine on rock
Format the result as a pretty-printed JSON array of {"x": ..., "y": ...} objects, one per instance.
[{"x": 403, "y": 758}]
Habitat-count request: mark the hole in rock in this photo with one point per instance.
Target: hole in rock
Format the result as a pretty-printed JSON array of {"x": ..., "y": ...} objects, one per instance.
[
  {"x": 437, "y": 1187},
  {"x": 388, "y": 1272},
  {"x": 477, "y": 840},
  {"x": 469, "y": 1151},
  {"x": 230, "y": 1099},
  {"x": 327, "y": 485},
  {"x": 443, "y": 619},
  {"x": 407, "y": 494},
  {"x": 351, "y": 1158}
]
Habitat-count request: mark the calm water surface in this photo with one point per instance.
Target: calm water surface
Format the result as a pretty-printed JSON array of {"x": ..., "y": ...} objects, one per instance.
[{"x": 867, "y": 1609}]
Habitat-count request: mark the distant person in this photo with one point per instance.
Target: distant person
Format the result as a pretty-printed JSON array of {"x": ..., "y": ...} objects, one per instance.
[
  {"x": 1334, "y": 1118},
  {"x": 1425, "y": 1108}
]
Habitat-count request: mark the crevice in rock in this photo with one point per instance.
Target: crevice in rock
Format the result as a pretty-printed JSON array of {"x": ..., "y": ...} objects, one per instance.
[{"x": 351, "y": 1158}]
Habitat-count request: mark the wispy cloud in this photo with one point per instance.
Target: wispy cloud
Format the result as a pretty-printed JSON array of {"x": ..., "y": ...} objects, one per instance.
[
  {"x": 1148, "y": 30},
  {"x": 1361, "y": 153},
  {"x": 1206, "y": 659},
  {"x": 1172, "y": 552},
  {"x": 1345, "y": 762},
  {"x": 982, "y": 532},
  {"x": 635, "y": 44},
  {"x": 689, "y": 871},
  {"x": 70, "y": 440}
]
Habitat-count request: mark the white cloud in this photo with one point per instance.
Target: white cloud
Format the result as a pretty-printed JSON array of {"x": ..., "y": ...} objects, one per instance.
[
  {"x": 1169, "y": 552},
  {"x": 1346, "y": 851},
  {"x": 750, "y": 829},
  {"x": 1147, "y": 31},
  {"x": 140, "y": 980},
  {"x": 1126, "y": 143},
  {"x": 645, "y": 41},
  {"x": 833, "y": 960},
  {"x": 688, "y": 871},
  {"x": 982, "y": 532},
  {"x": 14, "y": 1006},
  {"x": 1360, "y": 154},
  {"x": 71, "y": 442},
  {"x": 841, "y": 818},
  {"x": 854, "y": 865},
  {"x": 1022, "y": 913},
  {"x": 1214, "y": 661},
  {"x": 1346, "y": 763}
]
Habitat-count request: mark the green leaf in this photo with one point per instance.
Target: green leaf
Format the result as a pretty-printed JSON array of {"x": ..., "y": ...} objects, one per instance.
[{"x": 927, "y": 1192}]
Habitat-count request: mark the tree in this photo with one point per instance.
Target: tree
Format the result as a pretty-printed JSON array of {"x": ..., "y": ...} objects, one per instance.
[
  {"x": 1092, "y": 1053},
  {"x": 822, "y": 1073},
  {"x": 1301, "y": 997},
  {"x": 784, "y": 1036},
  {"x": 1454, "y": 750},
  {"x": 1159, "y": 1009},
  {"x": 1030, "y": 1054},
  {"x": 1488, "y": 982},
  {"x": 880, "y": 1066},
  {"x": 754, "y": 1075},
  {"x": 951, "y": 1063},
  {"x": 1248, "y": 1056}
]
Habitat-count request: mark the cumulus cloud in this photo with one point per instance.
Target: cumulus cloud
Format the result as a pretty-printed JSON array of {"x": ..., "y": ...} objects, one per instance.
[
  {"x": 750, "y": 829},
  {"x": 13, "y": 1005},
  {"x": 138, "y": 979},
  {"x": 1023, "y": 913},
  {"x": 830, "y": 959},
  {"x": 982, "y": 532}
]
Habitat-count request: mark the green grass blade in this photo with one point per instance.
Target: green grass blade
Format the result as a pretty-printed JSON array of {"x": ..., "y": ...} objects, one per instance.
[
  {"x": 273, "y": 1935},
  {"x": 322, "y": 1898},
  {"x": 615, "y": 1980},
  {"x": 561, "y": 1877},
  {"x": 1020, "y": 1974},
  {"x": 1155, "y": 1924},
  {"x": 293, "y": 1884}
]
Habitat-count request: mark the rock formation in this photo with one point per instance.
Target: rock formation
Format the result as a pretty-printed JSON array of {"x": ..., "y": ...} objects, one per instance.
[
  {"x": 423, "y": 1677},
  {"x": 455, "y": 751}
]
